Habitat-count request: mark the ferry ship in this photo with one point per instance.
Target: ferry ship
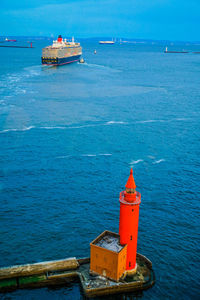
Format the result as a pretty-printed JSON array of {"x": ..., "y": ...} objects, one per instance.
[
  {"x": 107, "y": 42},
  {"x": 61, "y": 52}
]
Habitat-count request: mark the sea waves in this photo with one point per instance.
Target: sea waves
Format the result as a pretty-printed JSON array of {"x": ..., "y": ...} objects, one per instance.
[
  {"x": 91, "y": 155},
  {"x": 103, "y": 67},
  {"x": 151, "y": 160},
  {"x": 84, "y": 155},
  {"x": 16, "y": 83},
  {"x": 162, "y": 120},
  {"x": 60, "y": 127},
  {"x": 110, "y": 123},
  {"x": 17, "y": 129},
  {"x": 158, "y": 161},
  {"x": 114, "y": 122},
  {"x": 135, "y": 162}
]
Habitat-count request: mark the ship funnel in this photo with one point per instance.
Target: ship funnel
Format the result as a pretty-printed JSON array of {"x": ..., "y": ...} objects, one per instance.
[{"x": 59, "y": 39}]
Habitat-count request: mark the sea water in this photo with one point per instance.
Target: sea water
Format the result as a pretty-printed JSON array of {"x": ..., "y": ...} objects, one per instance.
[{"x": 69, "y": 136}]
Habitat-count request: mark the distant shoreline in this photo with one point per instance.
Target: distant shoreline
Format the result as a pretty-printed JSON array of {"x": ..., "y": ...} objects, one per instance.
[{"x": 118, "y": 39}]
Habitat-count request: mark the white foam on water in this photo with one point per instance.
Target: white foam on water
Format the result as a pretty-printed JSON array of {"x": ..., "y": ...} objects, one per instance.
[
  {"x": 64, "y": 156},
  {"x": 45, "y": 127},
  {"x": 75, "y": 127},
  {"x": 95, "y": 125},
  {"x": 163, "y": 121},
  {"x": 89, "y": 155},
  {"x": 135, "y": 162},
  {"x": 20, "y": 91},
  {"x": 158, "y": 161},
  {"x": 114, "y": 122},
  {"x": 32, "y": 71},
  {"x": 99, "y": 67},
  {"x": 94, "y": 155},
  {"x": 17, "y": 129},
  {"x": 14, "y": 78},
  {"x": 85, "y": 155},
  {"x": 15, "y": 83},
  {"x": 182, "y": 119},
  {"x": 27, "y": 128},
  {"x": 83, "y": 126},
  {"x": 150, "y": 121},
  {"x": 8, "y": 130},
  {"x": 52, "y": 127}
]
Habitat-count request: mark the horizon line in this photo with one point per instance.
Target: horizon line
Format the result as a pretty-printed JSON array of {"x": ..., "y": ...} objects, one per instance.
[{"x": 104, "y": 37}]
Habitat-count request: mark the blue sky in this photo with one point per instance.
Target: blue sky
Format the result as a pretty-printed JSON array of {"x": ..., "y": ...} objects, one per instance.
[{"x": 148, "y": 19}]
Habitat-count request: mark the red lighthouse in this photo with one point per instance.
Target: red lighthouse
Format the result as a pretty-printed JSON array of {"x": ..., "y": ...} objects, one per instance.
[{"x": 130, "y": 200}]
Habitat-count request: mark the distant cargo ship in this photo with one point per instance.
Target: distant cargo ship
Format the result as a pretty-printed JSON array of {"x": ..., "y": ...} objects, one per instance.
[
  {"x": 9, "y": 40},
  {"x": 61, "y": 52},
  {"x": 167, "y": 51},
  {"x": 107, "y": 42}
]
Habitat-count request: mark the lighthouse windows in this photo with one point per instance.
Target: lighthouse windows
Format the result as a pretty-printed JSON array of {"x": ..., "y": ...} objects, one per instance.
[
  {"x": 131, "y": 237},
  {"x": 130, "y": 191},
  {"x": 129, "y": 264}
]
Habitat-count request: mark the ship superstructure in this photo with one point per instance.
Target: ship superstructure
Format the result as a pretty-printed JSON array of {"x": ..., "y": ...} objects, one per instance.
[{"x": 61, "y": 52}]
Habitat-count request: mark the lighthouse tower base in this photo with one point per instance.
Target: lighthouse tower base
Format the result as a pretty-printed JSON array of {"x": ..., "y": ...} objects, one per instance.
[{"x": 130, "y": 272}]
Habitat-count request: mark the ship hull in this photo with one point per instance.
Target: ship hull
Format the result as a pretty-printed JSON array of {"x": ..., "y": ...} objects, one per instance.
[
  {"x": 60, "y": 61},
  {"x": 175, "y": 51}
]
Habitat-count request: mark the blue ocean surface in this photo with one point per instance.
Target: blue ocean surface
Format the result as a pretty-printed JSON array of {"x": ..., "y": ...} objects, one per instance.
[{"x": 68, "y": 138}]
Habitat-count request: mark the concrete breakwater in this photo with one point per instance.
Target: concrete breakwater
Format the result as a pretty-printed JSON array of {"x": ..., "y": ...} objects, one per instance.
[{"x": 61, "y": 272}]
